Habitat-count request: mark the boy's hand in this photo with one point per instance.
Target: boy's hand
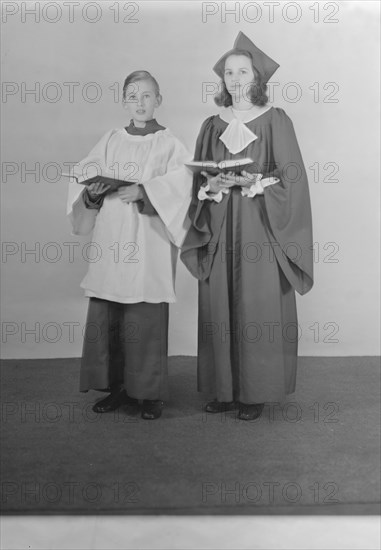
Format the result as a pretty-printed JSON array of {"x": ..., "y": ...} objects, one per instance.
[
  {"x": 96, "y": 189},
  {"x": 131, "y": 193}
]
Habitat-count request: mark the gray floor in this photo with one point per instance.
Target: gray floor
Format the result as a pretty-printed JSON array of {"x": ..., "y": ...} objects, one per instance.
[{"x": 318, "y": 453}]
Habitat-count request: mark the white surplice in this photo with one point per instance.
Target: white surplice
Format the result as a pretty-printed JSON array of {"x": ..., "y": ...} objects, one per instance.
[{"x": 133, "y": 258}]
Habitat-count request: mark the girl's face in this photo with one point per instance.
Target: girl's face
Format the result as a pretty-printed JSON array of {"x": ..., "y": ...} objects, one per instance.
[
  {"x": 238, "y": 76},
  {"x": 141, "y": 101}
]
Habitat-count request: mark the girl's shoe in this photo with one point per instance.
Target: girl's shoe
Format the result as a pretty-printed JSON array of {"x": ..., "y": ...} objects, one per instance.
[
  {"x": 219, "y": 406},
  {"x": 152, "y": 409},
  {"x": 250, "y": 412}
]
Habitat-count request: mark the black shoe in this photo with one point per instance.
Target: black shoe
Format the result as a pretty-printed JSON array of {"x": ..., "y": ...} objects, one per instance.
[
  {"x": 152, "y": 409},
  {"x": 219, "y": 406},
  {"x": 250, "y": 412},
  {"x": 117, "y": 397}
]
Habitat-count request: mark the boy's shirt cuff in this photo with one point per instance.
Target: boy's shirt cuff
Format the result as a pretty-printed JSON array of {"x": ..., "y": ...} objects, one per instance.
[
  {"x": 144, "y": 205},
  {"x": 92, "y": 204}
]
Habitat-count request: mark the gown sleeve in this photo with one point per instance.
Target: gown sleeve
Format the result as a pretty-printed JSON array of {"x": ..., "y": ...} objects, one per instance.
[
  {"x": 82, "y": 218},
  {"x": 287, "y": 207},
  {"x": 170, "y": 193},
  {"x": 206, "y": 217}
]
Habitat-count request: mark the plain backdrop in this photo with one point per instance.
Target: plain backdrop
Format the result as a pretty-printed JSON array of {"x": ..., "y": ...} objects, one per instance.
[{"x": 328, "y": 83}]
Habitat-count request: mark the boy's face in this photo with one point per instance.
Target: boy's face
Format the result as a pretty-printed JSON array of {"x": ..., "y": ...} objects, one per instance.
[{"x": 141, "y": 100}]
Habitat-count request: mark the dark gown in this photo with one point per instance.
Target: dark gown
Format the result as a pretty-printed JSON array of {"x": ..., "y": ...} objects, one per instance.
[{"x": 250, "y": 255}]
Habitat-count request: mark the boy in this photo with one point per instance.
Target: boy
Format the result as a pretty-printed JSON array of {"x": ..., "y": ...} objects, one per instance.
[{"x": 137, "y": 232}]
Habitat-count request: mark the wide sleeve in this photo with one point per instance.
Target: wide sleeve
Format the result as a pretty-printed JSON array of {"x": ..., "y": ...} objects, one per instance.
[
  {"x": 206, "y": 217},
  {"x": 288, "y": 208},
  {"x": 170, "y": 192},
  {"x": 82, "y": 218}
]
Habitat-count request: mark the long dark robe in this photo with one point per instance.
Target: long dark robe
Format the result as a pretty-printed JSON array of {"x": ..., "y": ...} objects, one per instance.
[{"x": 250, "y": 255}]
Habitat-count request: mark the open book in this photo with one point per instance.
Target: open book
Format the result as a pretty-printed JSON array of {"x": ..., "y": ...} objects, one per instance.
[
  {"x": 231, "y": 165},
  {"x": 113, "y": 183}
]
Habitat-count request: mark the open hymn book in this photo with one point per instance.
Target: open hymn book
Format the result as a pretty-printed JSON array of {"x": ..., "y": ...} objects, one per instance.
[
  {"x": 112, "y": 182},
  {"x": 231, "y": 165}
]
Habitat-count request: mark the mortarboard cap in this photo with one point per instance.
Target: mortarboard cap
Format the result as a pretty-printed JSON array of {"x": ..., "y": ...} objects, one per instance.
[{"x": 262, "y": 62}]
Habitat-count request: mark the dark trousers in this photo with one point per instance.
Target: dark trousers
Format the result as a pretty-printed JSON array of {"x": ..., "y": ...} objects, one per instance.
[{"x": 126, "y": 344}]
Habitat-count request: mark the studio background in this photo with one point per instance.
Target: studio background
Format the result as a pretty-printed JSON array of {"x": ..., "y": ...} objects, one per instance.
[{"x": 335, "y": 68}]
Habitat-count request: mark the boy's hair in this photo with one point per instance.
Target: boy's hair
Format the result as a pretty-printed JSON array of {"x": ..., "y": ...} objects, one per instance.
[
  {"x": 256, "y": 92},
  {"x": 136, "y": 76}
]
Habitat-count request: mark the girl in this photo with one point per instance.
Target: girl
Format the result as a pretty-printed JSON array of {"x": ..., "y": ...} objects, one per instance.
[
  {"x": 250, "y": 243},
  {"x": 137, "y": 231}
]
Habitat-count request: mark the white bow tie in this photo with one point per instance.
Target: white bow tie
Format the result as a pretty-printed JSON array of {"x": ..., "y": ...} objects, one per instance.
[{"x": 237, "y": 135}]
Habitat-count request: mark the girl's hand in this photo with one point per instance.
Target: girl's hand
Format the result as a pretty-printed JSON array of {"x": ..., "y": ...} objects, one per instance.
[
  {"x": 97, "y": 189},
  {"x": 244, "y": 180},
  {"x": 130, "y": 193},
  {"x": 215, "y": 182}
]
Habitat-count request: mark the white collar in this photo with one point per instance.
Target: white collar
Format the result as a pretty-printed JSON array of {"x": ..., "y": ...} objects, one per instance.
[
  {"x": 237, "y": 135},
  {"x": 227, "y": 114}
]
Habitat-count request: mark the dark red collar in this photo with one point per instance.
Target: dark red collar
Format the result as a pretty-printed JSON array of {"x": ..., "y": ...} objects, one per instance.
[{"x": 151, "y": 127}]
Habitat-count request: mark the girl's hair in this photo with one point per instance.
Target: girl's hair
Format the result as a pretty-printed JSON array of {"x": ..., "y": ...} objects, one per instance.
[
  {"x": 136, "y": 76},
  {"x": 256, "y": 92}
]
